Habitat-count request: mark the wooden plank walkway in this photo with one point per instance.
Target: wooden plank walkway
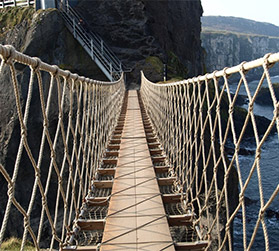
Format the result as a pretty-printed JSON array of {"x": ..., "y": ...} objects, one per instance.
[{"x": 136, "y": 217}]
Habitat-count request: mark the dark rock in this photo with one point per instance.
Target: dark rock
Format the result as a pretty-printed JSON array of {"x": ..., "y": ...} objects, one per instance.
[
  {"x": 249, "y": 201},
  {"x": 242, "y": 151},
  {"x": 241, "y": 100},
  {"x": 272, "y": 213},
  {"x": 138, "y": 29},
  {"x": 264, "y": 96}
]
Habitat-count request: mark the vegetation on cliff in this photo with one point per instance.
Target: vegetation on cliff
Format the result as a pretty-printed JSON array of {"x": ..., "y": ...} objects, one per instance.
[
  {"x": 14, "y": 244},
  {"x": 10, "y": 17}
]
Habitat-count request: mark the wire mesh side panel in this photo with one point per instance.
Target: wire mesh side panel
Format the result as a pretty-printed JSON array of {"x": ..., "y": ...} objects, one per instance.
[
  {"x": 220, "y": 132},
  {"x": 55, "y": 130}
]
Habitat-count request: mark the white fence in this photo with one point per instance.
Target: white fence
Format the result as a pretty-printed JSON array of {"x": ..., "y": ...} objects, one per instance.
[{"x": 15, "y": 3}]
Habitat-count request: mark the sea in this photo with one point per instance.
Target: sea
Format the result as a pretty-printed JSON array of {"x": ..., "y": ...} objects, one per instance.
[{"x": 269, "y": 168}]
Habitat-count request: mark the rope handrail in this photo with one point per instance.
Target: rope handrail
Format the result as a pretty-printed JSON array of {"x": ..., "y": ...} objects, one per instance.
[
  {"x": 73, "y": 118},
  {"x": 204, "y": 132}
]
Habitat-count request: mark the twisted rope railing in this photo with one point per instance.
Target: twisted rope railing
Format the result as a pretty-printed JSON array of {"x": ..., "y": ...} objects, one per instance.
[
  {"x": 196, "y": 123},
  {"x": 77, "y": 117}
]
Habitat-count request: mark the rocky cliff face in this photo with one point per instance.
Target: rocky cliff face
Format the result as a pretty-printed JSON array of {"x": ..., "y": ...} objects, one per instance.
[
  {"x": 229, "y": 49},
  {"x": 138, "y": 29}
]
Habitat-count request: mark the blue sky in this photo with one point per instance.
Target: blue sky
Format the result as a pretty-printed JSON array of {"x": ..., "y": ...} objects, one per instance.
[{"x": 258, "y": 10}]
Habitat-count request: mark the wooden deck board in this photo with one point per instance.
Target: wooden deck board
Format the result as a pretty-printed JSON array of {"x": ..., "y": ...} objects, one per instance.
[{"x": 136, "y": 218}]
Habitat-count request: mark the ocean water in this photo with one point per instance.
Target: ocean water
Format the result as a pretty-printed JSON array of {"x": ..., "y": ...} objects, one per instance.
[{"x": 269, "y": 170}]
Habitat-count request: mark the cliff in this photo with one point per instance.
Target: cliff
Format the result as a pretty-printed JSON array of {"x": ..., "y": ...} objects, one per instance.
[
  {"x": 136, "y": 30},
  {"x": 224, "y": 47},
  {"x": 229, "y": 49}
]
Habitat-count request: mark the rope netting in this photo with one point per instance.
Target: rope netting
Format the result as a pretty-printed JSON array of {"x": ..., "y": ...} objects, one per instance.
[
  {"x": 220, "y": 149},
  {"x": 64, "y": 122}
]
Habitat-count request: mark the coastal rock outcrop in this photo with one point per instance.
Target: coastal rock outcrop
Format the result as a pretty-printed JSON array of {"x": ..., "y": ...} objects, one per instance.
[
  {"x": 229, "y": 49},
  {"x": 228, "y": 41}
]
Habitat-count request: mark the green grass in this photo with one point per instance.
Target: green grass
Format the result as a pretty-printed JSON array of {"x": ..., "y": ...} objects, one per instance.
[
  {"x": 172, "y": 80},
  {"x": 156, "y": 63},
  {"x": 13, "y": 244},
  {"x": 10, "y": 17},
  {"x": 210, "y": 31}
]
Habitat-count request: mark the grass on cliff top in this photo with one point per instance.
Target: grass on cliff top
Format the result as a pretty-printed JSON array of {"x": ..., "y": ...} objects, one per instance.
[
  {"x": 228, "y": 33},
  {"x": 13, "y": 244},
  {"x": 10, "y": 17}
]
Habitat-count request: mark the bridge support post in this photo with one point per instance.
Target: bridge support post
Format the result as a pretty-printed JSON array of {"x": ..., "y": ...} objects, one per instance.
[{"x": 165, "y": 72}]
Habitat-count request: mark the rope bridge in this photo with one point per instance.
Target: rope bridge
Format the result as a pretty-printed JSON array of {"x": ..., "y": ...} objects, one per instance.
[{"x": 195, "y": 136}]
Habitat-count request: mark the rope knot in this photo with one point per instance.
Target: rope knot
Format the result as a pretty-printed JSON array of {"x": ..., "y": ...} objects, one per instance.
[
  {"x": 23, "y": 132},
  {"x": 26, "y": 222},
  {"x": 241, "y": 198},
  {"x": 258, "y": 153},
  {"x": 44, "y": 202},
  {"x": 68, "y": 75},
  {"x": 75, "y": 77},
  {"x": 237, "y": 147},
  {"x": 37, "y": 65},
  {"x": 241, "y": 67},
  {"x": 11, "y": 189},
  {"x": 56, "y": 70},
  {"x": 11, "y": 54},
  {"x": 266, "y": 56},
  {"x": 46, "y": 123},
  {"x": 250, "y": 107},
  {"x": 224, "y": 73},
  {"x": 231, "y": 108},
  {"x": 218, "y": 108},
  {"x": 276, "y": 110},
  {"x": 52, "y": 155},
  {"x": 222, "y": 148}
]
